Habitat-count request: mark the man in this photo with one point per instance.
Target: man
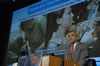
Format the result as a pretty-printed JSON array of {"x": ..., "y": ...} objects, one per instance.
[{"x": 76, "y": 51}]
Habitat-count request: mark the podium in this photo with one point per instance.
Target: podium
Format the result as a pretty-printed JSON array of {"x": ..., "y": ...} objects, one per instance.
[{"x": 56, "y": 61}]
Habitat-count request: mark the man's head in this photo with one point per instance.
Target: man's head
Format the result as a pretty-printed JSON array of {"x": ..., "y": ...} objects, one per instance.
[
  {"x": 73, "y": 37},
  {"x": 66, "y": 19},
  {"x": 28, "y": 25},
  {"x": 34, "y": 58}
]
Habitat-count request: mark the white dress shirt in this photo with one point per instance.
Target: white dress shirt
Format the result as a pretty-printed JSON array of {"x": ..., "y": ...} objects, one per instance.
[{"x": 74, "y": 45}]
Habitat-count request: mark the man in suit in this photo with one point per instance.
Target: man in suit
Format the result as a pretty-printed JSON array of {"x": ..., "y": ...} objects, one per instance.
[{"x": 76, "y": 51}]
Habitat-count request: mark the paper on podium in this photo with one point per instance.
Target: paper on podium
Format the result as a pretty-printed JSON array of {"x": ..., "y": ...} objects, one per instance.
[{"x": 50, "y": 61}]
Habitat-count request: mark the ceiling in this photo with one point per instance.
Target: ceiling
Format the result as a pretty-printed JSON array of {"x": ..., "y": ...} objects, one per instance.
[
  {"x": 16, "y": 4},
  {"x": 3, "y": 1}
]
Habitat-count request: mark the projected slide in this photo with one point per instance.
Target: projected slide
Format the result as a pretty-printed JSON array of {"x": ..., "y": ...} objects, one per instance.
[{"x": 44, "y": 26}]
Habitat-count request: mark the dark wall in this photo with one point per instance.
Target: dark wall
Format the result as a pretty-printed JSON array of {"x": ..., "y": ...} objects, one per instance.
[
  {"x": 6, "y": 12},
  {"x": 5, "y": 21}
]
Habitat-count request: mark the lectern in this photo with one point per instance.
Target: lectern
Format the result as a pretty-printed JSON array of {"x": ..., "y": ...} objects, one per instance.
[{"x": 56, "y": 61}]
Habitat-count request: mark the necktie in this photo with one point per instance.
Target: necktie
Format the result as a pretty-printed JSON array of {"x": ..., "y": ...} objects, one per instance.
[{"x": 72, "y": 51}]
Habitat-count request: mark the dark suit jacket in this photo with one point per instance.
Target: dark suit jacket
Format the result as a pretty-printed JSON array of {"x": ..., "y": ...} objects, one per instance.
[{"x": 80, "y": 54}]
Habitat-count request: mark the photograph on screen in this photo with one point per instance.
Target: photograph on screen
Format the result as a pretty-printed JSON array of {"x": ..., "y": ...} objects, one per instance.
[{"x": 49, "y": 32}]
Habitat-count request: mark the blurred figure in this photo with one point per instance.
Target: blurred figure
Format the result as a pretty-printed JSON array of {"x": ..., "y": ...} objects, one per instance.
[
  {"x": 35, "y": 30},
  {"x": 15, "y": 64},
  {"x": 33, "y": 60},
  {"x": 62, "y": 19}
]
